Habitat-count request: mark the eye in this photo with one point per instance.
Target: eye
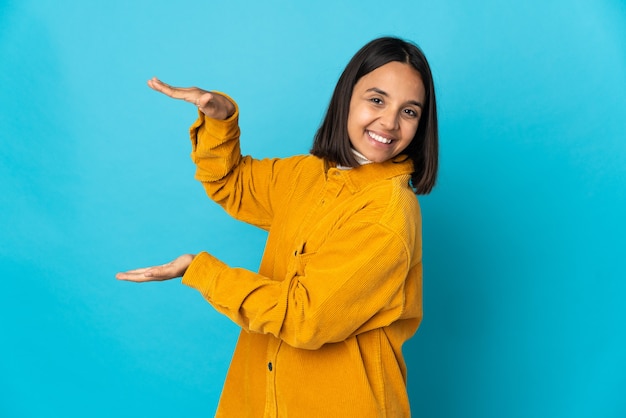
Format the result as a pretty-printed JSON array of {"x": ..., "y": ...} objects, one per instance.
[
  {"x": 411, "y": 113},
  {"x": 376, "y": 100}
]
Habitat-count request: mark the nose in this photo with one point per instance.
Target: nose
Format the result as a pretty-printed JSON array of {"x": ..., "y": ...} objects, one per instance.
[{"x": 389, "y": 119}]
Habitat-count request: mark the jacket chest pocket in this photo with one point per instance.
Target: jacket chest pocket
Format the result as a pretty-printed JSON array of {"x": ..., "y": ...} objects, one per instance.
[{"x": 299, "y": 260}]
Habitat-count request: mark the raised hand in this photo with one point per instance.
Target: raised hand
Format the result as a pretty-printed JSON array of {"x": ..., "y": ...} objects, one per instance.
[
  {"x": 213, "y": 105},
  {"x": 175, "y": 268}
]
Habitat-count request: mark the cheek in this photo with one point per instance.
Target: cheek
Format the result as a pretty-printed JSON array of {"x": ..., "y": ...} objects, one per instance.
[
  {"x": 359, "y": 117},
  {"x": 409, "y": 131},
  {"x": 355, "y": 121}
]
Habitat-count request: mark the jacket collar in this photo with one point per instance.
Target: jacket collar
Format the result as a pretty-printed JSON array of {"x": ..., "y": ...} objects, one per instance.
[{"x": 360, "y": 177}]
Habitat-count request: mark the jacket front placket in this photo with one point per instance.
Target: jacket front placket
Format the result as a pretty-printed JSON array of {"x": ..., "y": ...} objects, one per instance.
[{"x": 333, "y": 186}]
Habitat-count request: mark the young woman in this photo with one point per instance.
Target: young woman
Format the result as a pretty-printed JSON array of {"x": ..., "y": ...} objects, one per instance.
[{"x": 339, "y": 289}]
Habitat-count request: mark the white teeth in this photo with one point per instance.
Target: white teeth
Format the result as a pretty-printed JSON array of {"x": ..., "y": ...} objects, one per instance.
[{"x": 379, "y": 138}]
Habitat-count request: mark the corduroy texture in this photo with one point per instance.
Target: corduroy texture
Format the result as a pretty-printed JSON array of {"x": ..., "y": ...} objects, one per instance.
[{"x": 339, "y": 288}]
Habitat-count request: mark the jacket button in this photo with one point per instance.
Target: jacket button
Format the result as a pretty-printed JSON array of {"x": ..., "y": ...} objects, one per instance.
[{"x": 269, "y": 366}]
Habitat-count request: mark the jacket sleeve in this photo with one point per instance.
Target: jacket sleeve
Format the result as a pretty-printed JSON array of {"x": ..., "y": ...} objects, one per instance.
[
  {"x": 241, "y": 185},
  {"x": 364, "y": 277}
]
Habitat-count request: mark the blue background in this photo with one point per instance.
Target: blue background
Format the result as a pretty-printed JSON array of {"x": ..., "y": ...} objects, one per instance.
[{"x": 524, "y": 242}]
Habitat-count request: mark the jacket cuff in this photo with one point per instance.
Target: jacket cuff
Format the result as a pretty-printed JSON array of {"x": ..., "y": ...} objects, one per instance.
[
  {"x": 217, "y": 129},
  {"x": 202, "y": 273}
]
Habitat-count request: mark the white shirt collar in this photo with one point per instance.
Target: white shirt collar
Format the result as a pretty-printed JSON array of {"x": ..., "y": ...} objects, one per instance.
[{"x": 360, "y": 158}]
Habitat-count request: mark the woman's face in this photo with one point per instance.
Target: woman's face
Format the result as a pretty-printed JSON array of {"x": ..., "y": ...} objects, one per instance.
[{"x": 385, "y": 110}]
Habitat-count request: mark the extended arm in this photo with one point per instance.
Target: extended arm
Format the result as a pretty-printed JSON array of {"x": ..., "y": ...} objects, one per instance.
[{"x": 366, "y": 278}]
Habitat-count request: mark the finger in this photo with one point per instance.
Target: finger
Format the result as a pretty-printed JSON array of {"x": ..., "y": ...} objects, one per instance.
[
  {"x": 164, "y": 272},
  {"x": 132, "y": 277},
  {"x": 156, "y": 84},
  {"x": 204, "y": 100},
  {"x": 173, "y": 92},
  {"x": 153, "y": 274},
  {"x": 189, "y": 94},
  {"x": 147, "y": 273},
  {"x": 141, "y": 270}
]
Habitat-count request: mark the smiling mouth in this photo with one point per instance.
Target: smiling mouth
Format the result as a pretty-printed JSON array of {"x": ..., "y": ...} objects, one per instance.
[{"x": 378, "y": 138}]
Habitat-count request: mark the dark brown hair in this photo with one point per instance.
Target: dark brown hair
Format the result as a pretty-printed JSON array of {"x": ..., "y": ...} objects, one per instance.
[{"x": 332, "y": 141}]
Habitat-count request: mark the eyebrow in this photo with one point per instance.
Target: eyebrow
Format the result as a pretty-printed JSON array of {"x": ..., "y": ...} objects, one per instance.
[{"x": 384, "y": 93}]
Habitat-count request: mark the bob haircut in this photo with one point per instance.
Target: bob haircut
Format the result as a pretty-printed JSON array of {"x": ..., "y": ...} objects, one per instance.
[{"x": 332, "y": 141}]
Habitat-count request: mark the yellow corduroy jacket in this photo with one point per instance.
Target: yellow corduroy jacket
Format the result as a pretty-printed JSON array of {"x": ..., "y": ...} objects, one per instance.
[{"x": 339, "y": 289}]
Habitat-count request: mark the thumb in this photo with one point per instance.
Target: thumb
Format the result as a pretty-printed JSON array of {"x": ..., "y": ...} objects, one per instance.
[{"x": 204, "y": 100}]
